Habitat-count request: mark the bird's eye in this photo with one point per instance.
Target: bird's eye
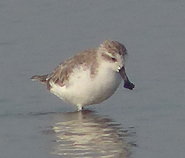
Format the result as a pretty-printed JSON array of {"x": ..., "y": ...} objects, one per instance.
[{"x": 113, "y": 59}]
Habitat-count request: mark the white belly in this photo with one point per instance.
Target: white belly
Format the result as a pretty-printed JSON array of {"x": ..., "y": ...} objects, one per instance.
[{"x": 84, "y": 90}]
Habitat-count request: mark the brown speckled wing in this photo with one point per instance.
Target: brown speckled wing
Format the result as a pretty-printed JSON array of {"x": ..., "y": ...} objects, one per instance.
[{"x": 86, "y": 59}]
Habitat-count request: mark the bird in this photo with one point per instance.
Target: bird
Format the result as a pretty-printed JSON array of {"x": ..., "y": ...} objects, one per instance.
[{"x": 89, "y": 77}]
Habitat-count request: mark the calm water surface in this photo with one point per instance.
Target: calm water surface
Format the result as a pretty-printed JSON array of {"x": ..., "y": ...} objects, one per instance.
[{"x": 149, "y": 122}]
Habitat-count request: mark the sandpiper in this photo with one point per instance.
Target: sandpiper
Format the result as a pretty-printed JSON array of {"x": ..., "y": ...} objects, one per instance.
[{"x": 89, "y": 77}]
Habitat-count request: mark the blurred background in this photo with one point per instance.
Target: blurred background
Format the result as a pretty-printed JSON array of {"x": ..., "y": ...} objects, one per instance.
[{"x": 37, "y": 35}]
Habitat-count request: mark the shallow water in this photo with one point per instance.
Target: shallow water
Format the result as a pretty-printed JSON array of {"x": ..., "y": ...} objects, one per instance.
[
  {"x": 86, "y": 134},
  {"x": 146, "y": 122}
]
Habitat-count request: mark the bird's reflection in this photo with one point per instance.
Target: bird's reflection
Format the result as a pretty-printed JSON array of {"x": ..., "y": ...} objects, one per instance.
[{"x": 88, "y": 135}]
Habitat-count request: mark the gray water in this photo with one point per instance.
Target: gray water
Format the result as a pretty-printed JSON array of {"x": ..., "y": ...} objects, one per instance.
[{"x": 35, "y": 36}]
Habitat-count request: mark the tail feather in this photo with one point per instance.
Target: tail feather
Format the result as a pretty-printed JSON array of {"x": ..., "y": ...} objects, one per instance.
[{"x": 41, "y": 79}]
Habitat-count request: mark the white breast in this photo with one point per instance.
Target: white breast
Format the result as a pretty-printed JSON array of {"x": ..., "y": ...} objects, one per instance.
[{"x": 84, "y": 90}]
